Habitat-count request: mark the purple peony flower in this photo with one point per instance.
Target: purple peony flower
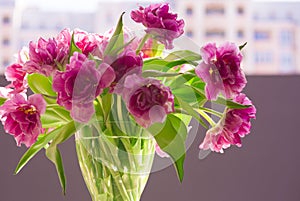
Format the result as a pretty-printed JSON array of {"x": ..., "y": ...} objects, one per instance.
[
  {"x": 127, "y": 63},
  {"x": 21, "y": 118},
  {"x": 221, "y": 70},
  {"x": 229, "y": 130},
  {"x": 48, "y": 56},
  {"x": 80, "y": 84},
  {"x": 147, "y": 99},
  {"x": 162, "y": 24}
]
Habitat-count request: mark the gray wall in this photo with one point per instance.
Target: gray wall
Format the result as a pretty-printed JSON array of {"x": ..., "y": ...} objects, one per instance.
[{"x": 266, "y": 168}]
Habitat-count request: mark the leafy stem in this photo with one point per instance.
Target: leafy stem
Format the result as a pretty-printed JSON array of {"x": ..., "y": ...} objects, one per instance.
[{"x": 141, "y": 45}]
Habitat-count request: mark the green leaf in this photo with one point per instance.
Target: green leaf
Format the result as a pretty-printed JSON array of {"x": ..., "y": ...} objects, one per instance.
[
  {"x": 55, "y": 116},
  {"x": 230, "y": 104},
  {"x": 37, "y": 146},
  {"x": 40, "y": 84},
  {"x": 53, "y": 154},
  {"x": 170, "y": 137},
  {"x": 2, "y": 100},
  {"x": 242, "y": 46},
  {"x": 189, "y": 94},
  {"x": 120, "y": 49},
  {"x": 73, "y": 47},
  {"x": 157, "y": 48},
  {"x": 155, "y": 64},
  {"x": 156, "y": 73},
  {"x": 181, "y": 79},
  {"x": 190, "y": 110},
  {"x": 117, "y": 39},
  {"x": 180, "y": 62},
  {"x": 107, "y": 103},
  {"x": 162, "y": 65},
  {"x": 183, "y": 55}
]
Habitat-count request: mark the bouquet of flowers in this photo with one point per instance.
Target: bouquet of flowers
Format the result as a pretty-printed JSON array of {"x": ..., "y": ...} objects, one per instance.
[{"x": 124, "y": 97}]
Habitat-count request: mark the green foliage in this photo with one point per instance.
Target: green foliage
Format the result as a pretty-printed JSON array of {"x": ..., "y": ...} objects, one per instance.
[
  {"x": 242, "y": 46},
  {"x": 40, "y": 84},
  {"x": 2, "y": 100},
  {"x": 73, "y": 47},
  {"x": 183, "y": 55},
  {"x": 53, "y": 154},
  {"x": 42, "y": 142},
  {"x": 156, "y": 73},
  {"x": 171, "y": 136},
  {"x": 117, "y": 39},
  {"x": 230, "y": 104},
  {"x": 173, "y": 59},
  {"x": 54, "y": 116}
]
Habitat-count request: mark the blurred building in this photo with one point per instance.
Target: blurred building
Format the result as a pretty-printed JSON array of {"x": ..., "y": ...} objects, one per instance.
[
  {"x": 276, "y": 37},
  {"x": 271, "y": 30},
  {"x": 33, "y": 22},
  {"x": 6, "y": 32},
  {"x": 109, "y": 12}
]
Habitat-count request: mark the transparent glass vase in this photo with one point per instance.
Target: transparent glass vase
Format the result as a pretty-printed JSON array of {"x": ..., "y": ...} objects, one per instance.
[{"x": 115, "y": 159}]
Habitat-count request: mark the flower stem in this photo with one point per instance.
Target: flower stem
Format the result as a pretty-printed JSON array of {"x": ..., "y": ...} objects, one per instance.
[{"x": 141, "y": 45}]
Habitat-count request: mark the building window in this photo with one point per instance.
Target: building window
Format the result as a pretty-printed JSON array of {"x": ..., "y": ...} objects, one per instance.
[
  {"x": 215, "y": 10},
  {"x": 240, "y": 10},
  {"x": 5, "y": 62},
  {"x": 189, "y": 11},
  {"x": 262, "y": 35},
  {"x": 264, "y": 57},
  {"x": 240, "y": 34},
  {"x": 5, "y": 42},
  {"x": 215, "y": 33},
  {"x": 286, "y": 63},
  {"x": 190, "y": 33},
  {"x": 6, "y": 20},
  {"x": 286, "y": 37}
]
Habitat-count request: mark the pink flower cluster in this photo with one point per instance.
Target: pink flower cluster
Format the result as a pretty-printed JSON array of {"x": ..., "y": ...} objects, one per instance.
[
  {"x": 222, "y": 73},
  {"x": 79, "y": 77},
  {"x": 78, "y": 80}
]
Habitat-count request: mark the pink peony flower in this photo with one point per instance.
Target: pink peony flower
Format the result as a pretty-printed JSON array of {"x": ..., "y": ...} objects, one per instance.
[
  {"x": 221, "y": 70},
  {"x": 23, "y": 56},
  {"x": 21, "y": 118},
  {"x": 48, "y": 56},
  {"x": 231, "y": 128},
  {"x": 16, "y": 75},
  {"x": 159, "y": 22},
  {"x": 89, "y": 43},
  {"x": 63, "y": 39},
  {"x": 147, "y": 99},
  {"x": 80, "y": 84}
]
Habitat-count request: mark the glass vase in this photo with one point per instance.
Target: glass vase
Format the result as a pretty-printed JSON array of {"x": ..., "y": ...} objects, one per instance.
[{"x": 115, "y": 160}]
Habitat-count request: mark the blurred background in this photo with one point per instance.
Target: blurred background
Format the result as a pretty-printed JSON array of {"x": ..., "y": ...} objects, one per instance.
[{"x": 266, "y": 168}]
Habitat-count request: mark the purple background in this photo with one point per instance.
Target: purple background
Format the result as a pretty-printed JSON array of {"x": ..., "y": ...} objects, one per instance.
[{"x": 266, "y": 168}]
